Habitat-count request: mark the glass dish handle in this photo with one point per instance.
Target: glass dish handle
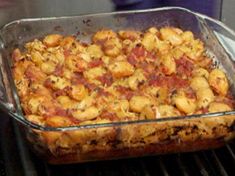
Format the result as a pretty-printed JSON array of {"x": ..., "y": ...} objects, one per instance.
[
  {"x": 7, "y": 93},
  {"x": 224, "y": 34},
  {"x": 5, "y": 104}
]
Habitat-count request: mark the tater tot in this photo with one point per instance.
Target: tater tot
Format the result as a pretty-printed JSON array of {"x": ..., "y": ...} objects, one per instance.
[
  {"x": 168, "y": 64},
  {"x": 39, "y": 89},
  {"x": 22, "y": 86},
  {"x": 135, "y": 79},
  {"x": 48, "y": 67},
  {"x": 120, "y": 108},
  {"x": 199, "y": 82},
  {"x": 171, "y": 35},
  {"x": 187, "y": 36},
  {"x": 57, "y": 83},
  {"x": 218, "y": 81},
  {"x": 66, "y": 102},
  {"x": 58, "y": 121},
  {"x": 34, "y": 103},
  {"x": 93, "y": 73},
  {"x": 201, "y": 72},
  {"x": 50, "y": 57},
  {"x": 95, "y": 51},
  {"x": 36, "y": 119},
  {"x": 37, "y": 57},
  {"x": 162, "y": 47},
  {"x": 184, "y": 104},
  {"x": 20, "y": 68},
  {"x": 121, "y": 69},
  {"x": 77, "y": 48},
  {"x": 149, "y": 41},
  {"x": 204, "y": 97},
  {"x": 112, "y": 47},
  {"x": 148, "y": 112},
  {"x": 162, "y": 94},
  {"x": 52, "y": 40},
  {"x": 87, "y": 114},
  {"x": 153, "y": 30},
  {"x": 195, "y": 49},
  {"x": 103, "y": 35},
  {"x": 129, "y": 34},
  {"x": 137, "y": 103},
  {"x": 35, "y": 45},
  {"x": 76, "y": 64},
  {"x": 177, "y": 53},
  {"x": 120, "y": 105},
  {"x": 78, "y": 92},
  {"x": 34, "y": 74},
  {"x": 219, "y": 107},
  {"x": 167, "y": 111},
  {"x": 67, "y": 42}
]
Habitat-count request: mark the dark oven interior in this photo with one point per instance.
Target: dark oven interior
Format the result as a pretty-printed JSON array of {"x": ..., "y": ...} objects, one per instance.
[{"x": 16, "y": 159}]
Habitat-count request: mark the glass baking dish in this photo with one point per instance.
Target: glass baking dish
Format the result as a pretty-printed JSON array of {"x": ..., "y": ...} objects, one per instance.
[{"x": 121, "y": 139}]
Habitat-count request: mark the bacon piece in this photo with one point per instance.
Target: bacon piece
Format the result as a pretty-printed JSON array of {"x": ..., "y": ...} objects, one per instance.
[
  {"x": 59, "y": 92},
  {"x": 126, "y": 92},
  {"x": 102, "y": 92},
  {"x": 151, "y": 55},
  {"x": 136, "y": 55},
  {"x": 184, "y": 66},
  {"x": 139, "y": 51},
  {"x": 90, "y": 86},
  {"x": 172, "y": 82},
  {"x": 16, "y": 55},
  {"x": 58, "y": 70},
  {"x": 109, "y": 115},
  {"x": 227, "y": 100},
  {"x": 190, "y": 93},
  {"x": 106, "y": 79},
  {"x": 176, "y": 82},
  {"x": 157, "y": 80},
  {"x": 132, "y": 59},
  {"x": 203, "y": 110},
  {"x": 47, "y": 83},
  {"x": 67, "y": 52},
  {"x": 140, "y": 54},
  {"x": 148, "y": 68},
  {"x": 95, "y": 63},
  {"x": 34, "y": 74},
  {"x": 61, "y": 112},
  {"x": 78, "y": 79}
]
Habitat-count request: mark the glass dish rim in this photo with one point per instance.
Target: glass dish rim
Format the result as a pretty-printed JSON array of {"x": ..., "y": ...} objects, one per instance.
[
  {"x": 30, "y": 124},
  {"x": 20, "y": 117}
]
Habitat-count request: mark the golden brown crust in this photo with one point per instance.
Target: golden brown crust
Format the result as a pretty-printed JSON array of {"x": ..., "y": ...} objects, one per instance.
[
  {"x": 123, "y": 76},
  {"x": 148, "y": 150},
  {"x": 134, "y": 72},
  {"x": 133, "y": 140}
]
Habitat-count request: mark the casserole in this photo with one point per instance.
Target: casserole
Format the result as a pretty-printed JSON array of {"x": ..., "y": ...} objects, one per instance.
[{"x": 120, "y": 139}]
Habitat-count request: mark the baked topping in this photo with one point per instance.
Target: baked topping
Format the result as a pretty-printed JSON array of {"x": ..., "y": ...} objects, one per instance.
[{"x": 128, "y": 75}]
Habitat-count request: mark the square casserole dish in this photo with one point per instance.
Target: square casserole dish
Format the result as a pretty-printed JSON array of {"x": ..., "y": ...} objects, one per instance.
[{"x": 93, "y": 142}]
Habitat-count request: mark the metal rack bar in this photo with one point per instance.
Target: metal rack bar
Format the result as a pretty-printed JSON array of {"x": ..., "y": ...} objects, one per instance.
[
  {"x": 231, "y": 151},
  {"x": 202, "y": 168},
  {"x": 219, "y": 164},
  {"x": 163, "y": 167},
  {"x": 182, "y": 166}
]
